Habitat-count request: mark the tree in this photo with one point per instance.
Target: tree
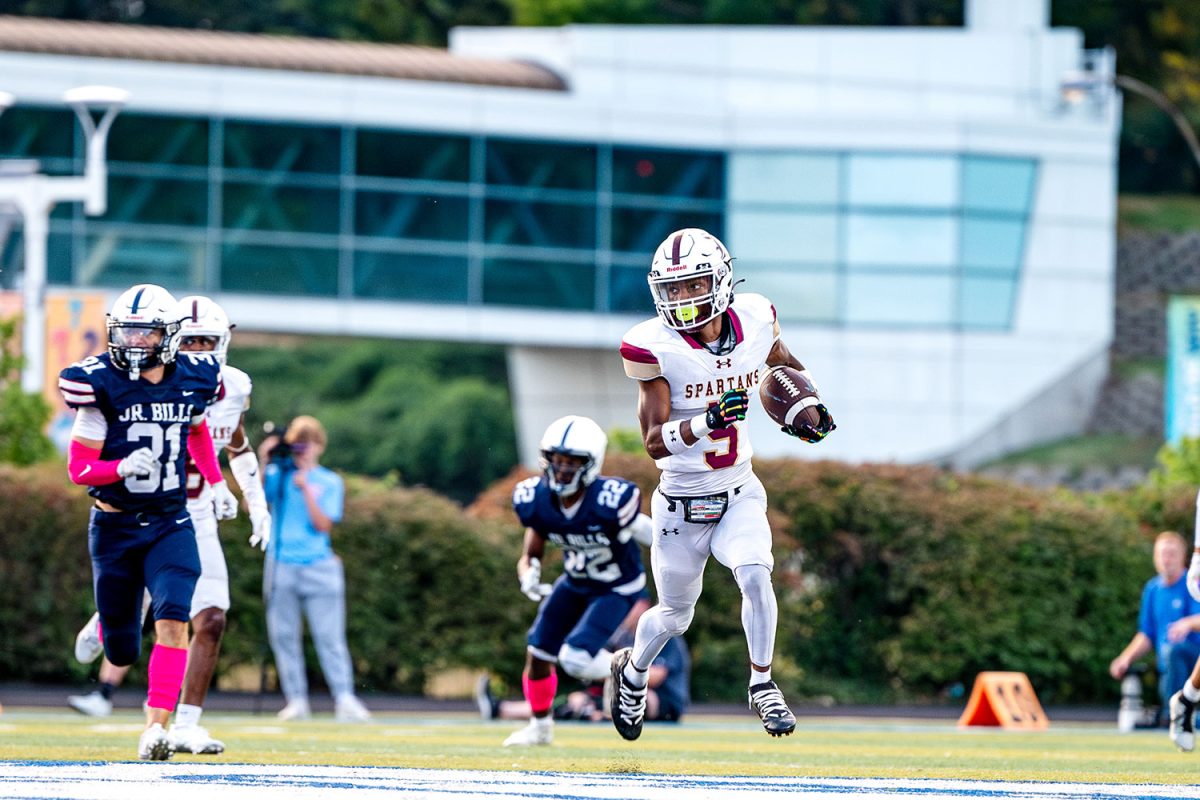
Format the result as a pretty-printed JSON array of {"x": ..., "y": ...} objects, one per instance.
[{"x": 23, "y": 416}]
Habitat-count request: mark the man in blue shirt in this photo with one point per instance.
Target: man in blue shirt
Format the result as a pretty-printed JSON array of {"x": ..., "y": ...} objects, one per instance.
[
  {"x": 1168, "y": 622},
  {"x": 302, "y": 573}
]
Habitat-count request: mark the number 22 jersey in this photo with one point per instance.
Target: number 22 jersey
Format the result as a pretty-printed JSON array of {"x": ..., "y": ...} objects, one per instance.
[
  {"x": 143, "y": 414},
  {"x": 589, "y": 533}
]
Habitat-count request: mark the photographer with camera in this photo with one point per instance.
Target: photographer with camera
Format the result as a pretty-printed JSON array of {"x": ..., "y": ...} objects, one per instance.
[{"x": 302, "y": 573}]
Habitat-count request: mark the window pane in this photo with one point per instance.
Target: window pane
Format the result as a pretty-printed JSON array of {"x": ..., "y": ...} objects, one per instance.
[
  {"x": 670, "y": 173},
  {"x": 986, "y": 302},
  {"x": 59, "y": 267},
  {"x": 636, "y": 230},
  {"x": 411, "y": 216},
  {"x": 874, "y": 298},
  {"x": 539, "y": 283},
  {"x": 998, "y": 184},
  {"x": 790, "y": 236},
  {"x": 266, "y": 207},
  {"x": 995, "y": 243},
  {"x": 283, "y": 148},
  {"x": 541, "y": 164},
  {"x": 115, "y": 258},
  {"x": 159, "y": 201},
  {"x": 411, "y": 276},
  {"x": 628, "y": 291},
  {"x": 807, "y": 294},
  {"x": 901, "y": 239},
  {"x": 907, "y": 181},
  {"x": 263, "y": 269},
  {"x": 544, "y": 224},
  {"x": 784, "y": 178},
  {"x": 39, "y": 133},
  {"x": 412, "y": 155},
  {"x": 147, "y": 139}
]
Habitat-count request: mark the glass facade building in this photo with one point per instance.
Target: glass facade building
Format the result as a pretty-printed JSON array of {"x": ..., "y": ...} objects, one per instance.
[{"x": 218, "y": 205}]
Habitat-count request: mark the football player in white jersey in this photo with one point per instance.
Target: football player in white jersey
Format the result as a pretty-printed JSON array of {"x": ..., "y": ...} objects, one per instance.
[
  {"x": 697, "y": 365},
  {"x": 204, "y": 327}
]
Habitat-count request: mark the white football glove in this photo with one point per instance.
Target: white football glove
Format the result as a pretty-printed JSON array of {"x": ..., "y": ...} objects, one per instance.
[
  {"x": 531, "y": 582},
  {"x": 1193, "y": 577},
  {"x": 260, "y": 521},
  {"x": 225, "y": 505},
  {"x": 139, "y": 463}
]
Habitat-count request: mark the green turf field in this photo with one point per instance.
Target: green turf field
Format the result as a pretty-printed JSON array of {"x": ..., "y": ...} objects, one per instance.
[{"x": 884, "y": 748}]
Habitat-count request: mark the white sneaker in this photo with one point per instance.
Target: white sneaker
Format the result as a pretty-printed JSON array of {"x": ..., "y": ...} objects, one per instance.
[
  {"x": 194, "y": 739},
  {"x": 87, "y": 641},
  {"x": 1182, "y": 714},
  {"x": 537, "y": 732},
  {"x": 350, "y": 709},
  {"x": 295, "y": 709},
  {"x": 93, "y": 704},
  {"x": 154, "y": 744}
]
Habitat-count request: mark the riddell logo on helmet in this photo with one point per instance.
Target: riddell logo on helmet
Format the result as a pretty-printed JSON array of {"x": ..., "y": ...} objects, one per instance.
[{"x": 676, "y": 269}]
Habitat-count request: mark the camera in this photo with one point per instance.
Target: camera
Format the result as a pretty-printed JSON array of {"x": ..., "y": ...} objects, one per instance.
[{"x": 282, "y": 454}]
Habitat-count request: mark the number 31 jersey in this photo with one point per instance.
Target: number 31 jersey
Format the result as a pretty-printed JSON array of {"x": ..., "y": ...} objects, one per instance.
[
  {"x": 143, "y": 414},
  {"x": 589, "y": 533},
  {"x": 698, "y": 377}
]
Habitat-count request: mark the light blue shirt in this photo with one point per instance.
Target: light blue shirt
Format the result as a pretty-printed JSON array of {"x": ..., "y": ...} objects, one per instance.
[
  {"x": 295, "y": 539},
  {"x": 1163, "y": 604}
]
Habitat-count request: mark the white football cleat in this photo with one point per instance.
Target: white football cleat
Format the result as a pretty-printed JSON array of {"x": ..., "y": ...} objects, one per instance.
[
  {"x": 154, "y": 744},
  {"x": 537, "y": 732},
  {"x": 350, "y": 709},
  {"x": 194, "y": 739},
  {"x": 1181, "y": 729},
  {"x": 295, "y": 709},
  {"x": 93, "y": 704},
  {"x": 87, "y": 642}
]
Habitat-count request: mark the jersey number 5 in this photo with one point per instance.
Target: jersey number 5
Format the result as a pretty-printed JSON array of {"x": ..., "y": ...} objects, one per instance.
[
  {"x": 715, "y": 458},
  {"x": 147, "y": 434}
]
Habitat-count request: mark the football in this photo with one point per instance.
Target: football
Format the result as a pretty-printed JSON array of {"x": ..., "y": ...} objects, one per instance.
[{"x": 788, "y": 397}]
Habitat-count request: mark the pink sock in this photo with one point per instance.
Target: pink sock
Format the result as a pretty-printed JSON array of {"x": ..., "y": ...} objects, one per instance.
[
  {"x": 540, "y": 693},
  {"x": 167, "y": 665}
]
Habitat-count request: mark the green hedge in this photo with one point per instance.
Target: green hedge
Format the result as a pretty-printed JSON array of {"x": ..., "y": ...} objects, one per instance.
[{"x": 893, "y": 582}]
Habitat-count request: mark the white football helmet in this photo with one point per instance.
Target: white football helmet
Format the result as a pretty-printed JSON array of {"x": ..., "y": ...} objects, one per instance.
[
  {"x": 200, "y": 316},
  {"x": 572, "y": 436},
  {"x": 143, "y": 329},
  {"x": 683, "y": 257}
]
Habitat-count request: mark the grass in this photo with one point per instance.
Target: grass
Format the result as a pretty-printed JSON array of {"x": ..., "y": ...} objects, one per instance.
[
  {"x": 1080, "y": 452},
  {"x": 1170, "y": 213},
  {"x": 821, "y": 747}
]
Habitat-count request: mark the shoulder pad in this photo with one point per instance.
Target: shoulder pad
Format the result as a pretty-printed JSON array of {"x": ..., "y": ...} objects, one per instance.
[
  {"x": 524, "y": 493},
  {"x": 78, "y": 382},
  {"x": 641, "y": 351}
]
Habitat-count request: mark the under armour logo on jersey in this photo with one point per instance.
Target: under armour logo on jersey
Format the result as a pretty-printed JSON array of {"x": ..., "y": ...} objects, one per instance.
[
  {"x": 673, "y": 531},
  {"x": 724, "y": 363}
]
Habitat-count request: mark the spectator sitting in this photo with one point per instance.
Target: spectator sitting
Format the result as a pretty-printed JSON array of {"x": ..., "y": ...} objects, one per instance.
[
  {"x": 1168, "y": 621},
  {"x": 667, "y": 700}
]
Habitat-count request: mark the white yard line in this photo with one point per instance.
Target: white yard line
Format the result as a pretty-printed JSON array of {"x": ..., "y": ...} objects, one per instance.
[{"x": 188, "y": 781}]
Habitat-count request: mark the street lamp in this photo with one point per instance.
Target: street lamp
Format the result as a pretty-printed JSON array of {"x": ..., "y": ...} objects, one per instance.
[
  {"x": 1075, "y": 87},
  {"x": 34, "y": 196}
]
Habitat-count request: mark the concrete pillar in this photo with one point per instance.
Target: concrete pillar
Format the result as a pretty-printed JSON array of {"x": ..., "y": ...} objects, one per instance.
[{"x": 1007, "y": 15}]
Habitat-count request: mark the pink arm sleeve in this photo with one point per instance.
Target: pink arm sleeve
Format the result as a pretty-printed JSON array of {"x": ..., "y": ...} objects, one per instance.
[
  {"x": 85, "y": 467},
  {"x": 200, "y": 448}
]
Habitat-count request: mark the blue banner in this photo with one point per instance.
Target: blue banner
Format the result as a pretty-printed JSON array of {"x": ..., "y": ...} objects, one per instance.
[{"x": 1183, "y": 369}]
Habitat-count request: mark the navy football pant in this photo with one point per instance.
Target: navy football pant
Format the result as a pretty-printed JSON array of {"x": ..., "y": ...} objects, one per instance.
[
  {"x": 133, "y": 551},
  {"x": 584, "y": 619}
]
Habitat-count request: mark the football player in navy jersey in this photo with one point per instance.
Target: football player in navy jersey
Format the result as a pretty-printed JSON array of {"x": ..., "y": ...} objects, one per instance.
[
  {"x": 140, "y": 413},
  {"x": 597, "y": 521}
]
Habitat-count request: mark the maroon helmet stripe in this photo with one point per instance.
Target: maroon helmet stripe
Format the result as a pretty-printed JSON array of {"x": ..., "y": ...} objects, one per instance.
[
  {"x": 195, "y": 311},
  {"x": 675, "y": 245}
]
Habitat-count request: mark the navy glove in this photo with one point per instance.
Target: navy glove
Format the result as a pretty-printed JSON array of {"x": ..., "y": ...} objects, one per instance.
[
  {"x": 729, "y": 409},
  {"x": 808, "y": 433}
]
